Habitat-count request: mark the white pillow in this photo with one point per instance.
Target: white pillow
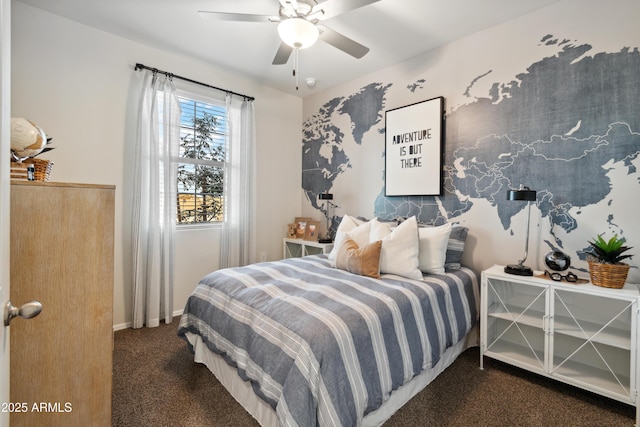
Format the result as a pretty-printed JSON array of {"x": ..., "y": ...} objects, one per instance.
[
  {"x": 433, "y": 248},
  {"x": 353, "y": 228},
  {"x": 348, "y": 223},
  {"x": 399, "y": 254}
]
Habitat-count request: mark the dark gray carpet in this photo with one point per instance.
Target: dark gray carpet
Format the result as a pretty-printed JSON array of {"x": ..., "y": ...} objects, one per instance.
[{"x": 156, "y": 382}]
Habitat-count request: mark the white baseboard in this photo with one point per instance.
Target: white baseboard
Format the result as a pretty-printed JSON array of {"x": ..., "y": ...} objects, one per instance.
[
  {"x": 127, "y": 325},
  {"x": 121, "y": 326}
]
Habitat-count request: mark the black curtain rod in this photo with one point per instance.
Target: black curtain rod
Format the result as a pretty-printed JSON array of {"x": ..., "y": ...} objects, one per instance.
[{"x": 166, "y": 73}]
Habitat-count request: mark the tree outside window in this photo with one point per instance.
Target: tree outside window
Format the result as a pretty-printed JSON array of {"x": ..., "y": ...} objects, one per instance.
[{"x": 201, "y": 163}]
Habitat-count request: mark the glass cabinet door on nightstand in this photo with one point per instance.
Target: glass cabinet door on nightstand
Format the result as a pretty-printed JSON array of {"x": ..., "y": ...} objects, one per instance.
[
  {"x": 592, "y": 342},
  {"x": 515, "y": 320},
  {"x": 292, "y": 248},
  {"x": 313, "y": 250}
]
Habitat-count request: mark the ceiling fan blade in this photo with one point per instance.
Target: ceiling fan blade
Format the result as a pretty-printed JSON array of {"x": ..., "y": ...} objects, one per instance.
[
  {"x": 237, "y": 17},
  {"x": 342, "y": 42},
  {"x": 293, "y": 3},
  {"x": 332, "y": 8},
  {"x": 283, "y": 54},
  {"x": 288, "y": 8}
]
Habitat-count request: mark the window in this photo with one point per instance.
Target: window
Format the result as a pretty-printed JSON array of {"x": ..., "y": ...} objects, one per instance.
[{"x": 203, "y": 132}]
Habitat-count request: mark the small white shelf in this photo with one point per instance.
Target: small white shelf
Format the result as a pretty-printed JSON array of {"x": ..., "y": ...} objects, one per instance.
[
  {"x": 609, "y": 336},
  {"x": 517, "y": 355},
  {"x": 598, "y": 380},
  {"x": 530, "y": 318},
  {"x": 567, "y": 326}
]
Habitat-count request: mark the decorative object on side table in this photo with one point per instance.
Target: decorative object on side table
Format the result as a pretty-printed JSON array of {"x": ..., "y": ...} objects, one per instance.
[
  {"x": 27, "y": 141},
  {"x": 326, "y": 196},
  {"x": 604, "y": 258},
  {"x": 557, "y": 260},
  {"x": 301, "y": 225},
  {"x": 41, "y": 170},
  {"x": 291, "y": 231},
  {"x": 522, "y": 194},
  {"x": 311, "y": 231}
]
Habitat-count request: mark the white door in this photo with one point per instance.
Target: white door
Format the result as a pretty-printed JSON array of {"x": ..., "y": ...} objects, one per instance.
[{"x": 5, "y": 119}]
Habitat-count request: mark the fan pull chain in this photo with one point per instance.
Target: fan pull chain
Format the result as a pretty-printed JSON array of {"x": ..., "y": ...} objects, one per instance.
[{"x": 295, "y": 65}]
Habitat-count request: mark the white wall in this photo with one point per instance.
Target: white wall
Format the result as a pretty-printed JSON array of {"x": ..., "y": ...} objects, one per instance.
[
  {"x": 79, "y": 85},
  {"x": 463, "y": 72}
]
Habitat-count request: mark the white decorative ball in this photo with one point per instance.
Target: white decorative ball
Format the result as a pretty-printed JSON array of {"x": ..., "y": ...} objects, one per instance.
[{"x": 27, "y": 139}]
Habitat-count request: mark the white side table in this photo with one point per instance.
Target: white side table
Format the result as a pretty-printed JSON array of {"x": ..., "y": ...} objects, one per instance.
[
  {"x": 579, "y": 334},
  {"x": 293, "y": 248}
]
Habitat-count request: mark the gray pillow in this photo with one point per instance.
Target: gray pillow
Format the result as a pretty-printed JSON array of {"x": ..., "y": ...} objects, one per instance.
[{"x": 455, "y": 247}]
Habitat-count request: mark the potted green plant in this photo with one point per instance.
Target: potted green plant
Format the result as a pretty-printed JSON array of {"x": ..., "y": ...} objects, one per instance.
[{"x": 605, "y": 261}]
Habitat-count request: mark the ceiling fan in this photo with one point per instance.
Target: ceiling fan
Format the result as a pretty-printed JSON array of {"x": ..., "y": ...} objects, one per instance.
[{"x": 298, "y": 25}]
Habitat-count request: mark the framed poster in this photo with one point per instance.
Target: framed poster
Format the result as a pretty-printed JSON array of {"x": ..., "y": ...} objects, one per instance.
[{"x": 414, "y": 149}]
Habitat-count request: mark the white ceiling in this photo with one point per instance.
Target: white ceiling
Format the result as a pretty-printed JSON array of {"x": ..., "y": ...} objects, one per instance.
[{"x": 394, "y": 30}]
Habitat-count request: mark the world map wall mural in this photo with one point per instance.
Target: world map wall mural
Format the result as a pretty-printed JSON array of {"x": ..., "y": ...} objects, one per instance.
[{"x": 567, "y": 126}]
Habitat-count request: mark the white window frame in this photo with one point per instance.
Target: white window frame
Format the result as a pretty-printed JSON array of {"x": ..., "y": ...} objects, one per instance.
[{"x": 194, "y": 96}]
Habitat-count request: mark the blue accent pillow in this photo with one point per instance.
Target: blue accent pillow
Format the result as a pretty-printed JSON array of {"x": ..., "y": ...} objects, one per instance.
[{"x": 455, "y": 247}]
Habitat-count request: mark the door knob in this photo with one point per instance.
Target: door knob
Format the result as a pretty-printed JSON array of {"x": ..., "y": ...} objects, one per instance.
[{"x": 27, "y": 310}]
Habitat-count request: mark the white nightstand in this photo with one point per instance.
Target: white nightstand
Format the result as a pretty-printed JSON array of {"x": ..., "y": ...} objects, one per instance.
[
  {"x": 580, "y": 334},
  {"x": 292, "y": 248}
]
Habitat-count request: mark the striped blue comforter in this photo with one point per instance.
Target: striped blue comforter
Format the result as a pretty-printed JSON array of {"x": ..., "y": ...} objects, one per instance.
[{"x": 323, "y": 346}]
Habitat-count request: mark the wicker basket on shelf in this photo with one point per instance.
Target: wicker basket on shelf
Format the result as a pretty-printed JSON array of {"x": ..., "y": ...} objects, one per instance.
[
  {"x": 42, "y": 169},
  {"x": 608, "y": 275}
]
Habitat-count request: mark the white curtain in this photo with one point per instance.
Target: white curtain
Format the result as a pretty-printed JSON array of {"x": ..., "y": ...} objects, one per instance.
[
  {"x": 154, "y": 201},
  {"x": 238, "y": 244}
]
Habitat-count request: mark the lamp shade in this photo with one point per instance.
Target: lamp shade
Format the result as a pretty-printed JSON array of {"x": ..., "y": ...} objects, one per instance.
[
  {"x": 298, "y": 33},
  {"x": 523, "y": 193}
]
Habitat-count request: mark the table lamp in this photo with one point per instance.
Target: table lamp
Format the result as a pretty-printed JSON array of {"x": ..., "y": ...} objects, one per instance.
[
  {"x": 522, "y": 194},
  {"x": 326, "y": 197}
]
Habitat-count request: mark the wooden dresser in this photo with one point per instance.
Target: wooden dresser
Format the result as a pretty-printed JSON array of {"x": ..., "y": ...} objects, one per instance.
[{"x": 62, "y": 255}]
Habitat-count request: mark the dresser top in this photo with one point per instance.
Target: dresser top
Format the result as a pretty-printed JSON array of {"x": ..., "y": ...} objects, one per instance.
[{"x": 60, "y": 184}]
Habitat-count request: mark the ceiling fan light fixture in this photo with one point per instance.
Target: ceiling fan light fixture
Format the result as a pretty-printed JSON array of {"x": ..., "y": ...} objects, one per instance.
[{"x": 298, "y": 33}]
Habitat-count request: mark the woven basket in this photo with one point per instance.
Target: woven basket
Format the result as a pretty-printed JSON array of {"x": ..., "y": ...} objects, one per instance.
[
  {"x": 42, "y": 169},
  {"x": 608, "y": 275}
]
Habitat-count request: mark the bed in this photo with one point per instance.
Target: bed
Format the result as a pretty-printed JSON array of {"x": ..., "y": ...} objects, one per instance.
[{"x": 301, "y": 342}]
